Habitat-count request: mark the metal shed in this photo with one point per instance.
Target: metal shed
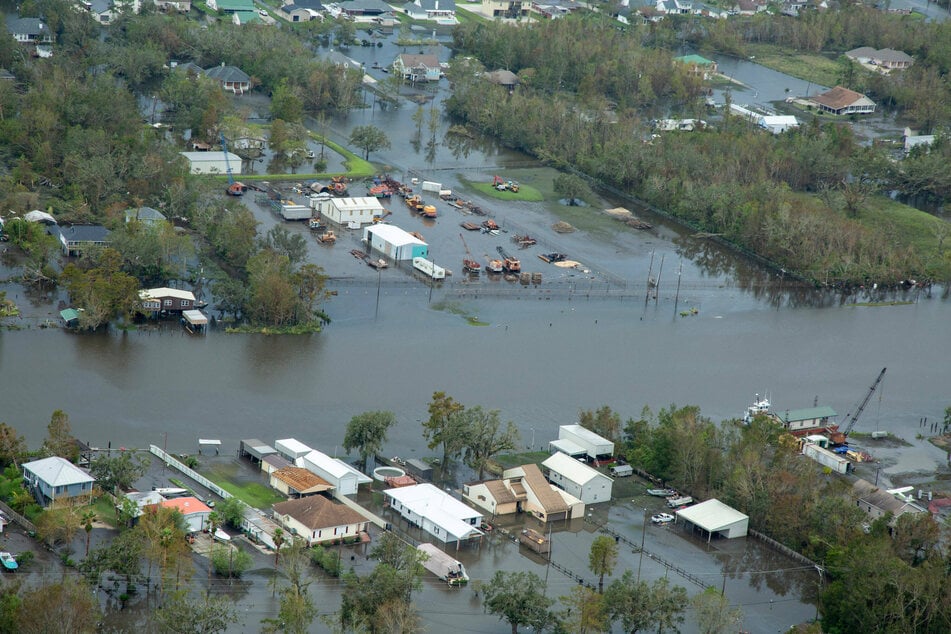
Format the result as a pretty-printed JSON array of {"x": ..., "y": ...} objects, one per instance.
[
  {"x": 291, "y": 448},
  {"x": 255, "y": 449},
  {"x": 419, "y": 469},
  {"x": 713, "y": 516}
]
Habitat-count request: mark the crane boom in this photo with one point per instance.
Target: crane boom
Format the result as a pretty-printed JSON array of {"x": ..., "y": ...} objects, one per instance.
[
  {"x": 861, "y": 407},
  {"x": 234, "y": 188}
]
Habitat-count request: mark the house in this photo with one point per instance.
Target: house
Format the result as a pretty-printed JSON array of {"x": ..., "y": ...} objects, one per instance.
[
  {"x": 364, "y": 8},
  {"x": 170, "y": 300},
  {"x": 491, "y": 495},
  {"x": 886, "y": 58},
  {"x": 74, "y": 239},
  {"x": 417, "y": 68},
  {"x": 141, "y": 499},
  {"x": 553, "y": 9},
  {"x": 674, "y": 7},
  {"x": 273, "y": 462},
  {"x": 192, "y": 509},
  {"x": 576, "y": 440},
  {"x": 297, "y": 13},
  {"x": 339, "y": 59},
  {"x": 213, "y": 162},
  {"x": 231, "y": 6},
  {"x": 777, "y": 124},
  {"x": 698, "y": 65},
  {"x": 245, "y": 17},
  {"x": 231, "y": 78},
  {"x": 181, "y": 6},
  {"x": 877, "y": 502},
  {"x": 344, "y": 479},
  {"x": 436, "y": 512},
  {"x": 510, "y": 9},
  {"x": 713, "y": 517},
  {"x": 318, "y": 520},
  {"x": 29, "y": 31},
  {"x": 55, "y": 478},
  {"x": 910, "y": 140},
  {"x": 749, "y": 7},
  {"x": 394, "y": 243},
  {"x": 587, "y": 484},
  {"x": 348, "y": 212},
  {"x": 505, "y": 78},
  {"x": 291, "y": 448},
  {"x": 809, "y": 419},
  {"x": 297, "y": 482},
  {"x": 842, "y": 101},
  {"x": 145, "y": 215},
  {"x": 442, "y": 11},
  {"x": 102, "y": 11},
  {"x": 246, "y": 142}
]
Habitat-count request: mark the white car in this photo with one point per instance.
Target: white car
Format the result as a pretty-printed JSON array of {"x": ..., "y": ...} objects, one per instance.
[
  {"x": 662, "y": 518},
  {"x": 262, "y": 12}
]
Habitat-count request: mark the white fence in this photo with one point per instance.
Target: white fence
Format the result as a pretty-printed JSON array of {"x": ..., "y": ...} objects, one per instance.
[{"x": 191, "y": 473}]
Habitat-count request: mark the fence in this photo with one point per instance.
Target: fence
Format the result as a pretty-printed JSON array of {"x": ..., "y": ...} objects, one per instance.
[
  {"x": 191, "y": 473},
  {"x": 16, "y": 517},
  {"x": 775, "y": 545}
]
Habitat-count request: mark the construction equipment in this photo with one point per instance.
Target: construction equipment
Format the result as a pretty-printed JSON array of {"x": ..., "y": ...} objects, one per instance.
[
  {"x": 469, "y": 264},
  {"x": 503, "y": 185},
  {"x": 509, "y": 264},
  {"x": 841, "y": 437},
  {"x": 234, "y": 187},
  {"x": 327, "y": 237}
]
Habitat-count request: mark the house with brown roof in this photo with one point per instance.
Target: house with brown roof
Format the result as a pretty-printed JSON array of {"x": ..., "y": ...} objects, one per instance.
[
  {"x": 492, "y": 495},
  {"x": 298, "y": 482},
  {"x": 502, "y": 77},
  {"x": 842, "y": 101},
  {"x": 418, "y": 67},
  {"x": 877, "y": 502},
  {"x": 539, "y": 497},
  {"x": 319, "y": 520}
]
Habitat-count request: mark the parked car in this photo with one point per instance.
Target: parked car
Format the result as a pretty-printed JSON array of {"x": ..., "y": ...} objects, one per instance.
[{"x": 662, "y": 518}]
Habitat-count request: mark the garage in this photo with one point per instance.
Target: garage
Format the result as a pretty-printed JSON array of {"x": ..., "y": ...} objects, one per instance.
[{"x": 713, "y": 517}]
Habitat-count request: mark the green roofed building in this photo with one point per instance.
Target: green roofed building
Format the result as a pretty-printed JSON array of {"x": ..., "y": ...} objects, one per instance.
[
  {"x": 231, "y": 6},
  {"x": 70, "y": 317},
  {"x": 699, "y": 65}
]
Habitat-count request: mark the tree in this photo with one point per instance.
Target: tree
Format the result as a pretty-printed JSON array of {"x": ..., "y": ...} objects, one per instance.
[
  {"x": 103, "y": 291},
  {"x": 639, "y": 606},
  {"x": 12, "y": 446},
  {"x": 184, "y": 614},
  {"x": 278, "y": 539},
  {"x": 115, "y": 473},
  {"x": 572, "y": 188},
  {"x": 230, "y": 561},
  {"x": 444, "y": 426},
  {"x": 602, "y": 558},
  {"x": 232, "y": 511},
  {"x": 367, "y": 432},
  {"x": 370, "y": 138},
  {"x": 59, "y": 438},
  {"x": 69, "y": 606},
  {"x": 519, "y": 599},
  {"x": 604, "y": 421},
  {"x": 59, "y": 524},
  {"x": 585, "y": 613},
  {"x": 485, "y": 437},
  {"x": 286, "y": 102},
  {"x": 297, "y": 609},
  {"x": 714, "y": 614},
  {"x": 87, "y": 519}
]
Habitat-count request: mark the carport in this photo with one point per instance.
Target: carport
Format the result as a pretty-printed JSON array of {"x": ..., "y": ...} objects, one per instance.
[
  {"x": 255, "y": 449},
  {"x": 715, "y": 517}
]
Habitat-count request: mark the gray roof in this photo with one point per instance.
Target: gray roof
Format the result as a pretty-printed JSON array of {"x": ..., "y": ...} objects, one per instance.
[
  {"x": 809, "y": 413},
  {"x": 82, "y": 233},
  {"x": 100, "y": 6},
  {"x": 229, "y": 74},
  {"x": 26, "y": 26},
  {"x": 305, "y": 4},
  {"x": 144, "y": 213},
  {"x": 56, "y": 471},
  {"x": 191, "y": 67},
  {"x": 433, "y": 5},
  {"x": 365, "y": 6}
]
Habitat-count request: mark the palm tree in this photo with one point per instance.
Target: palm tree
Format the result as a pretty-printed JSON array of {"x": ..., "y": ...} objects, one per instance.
[
  {"x": 88, "y": 517},
  {"x": 279, "y": 540}
]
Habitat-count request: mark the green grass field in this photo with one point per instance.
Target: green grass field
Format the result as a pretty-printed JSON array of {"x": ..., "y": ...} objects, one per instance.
[
  {"x": 813, "y": 67},
  {"x": 525, "y": 192},
  {"x": 254, "y": 494},
  {"x": 918, "y": 231}
]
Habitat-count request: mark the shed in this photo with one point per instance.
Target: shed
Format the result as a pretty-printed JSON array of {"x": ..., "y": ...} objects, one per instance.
[
  {"x": 394, "y": 242},
  {"x": 145, "y": 215},
  {"x": 345, "y": 479},
  {"x": 291, "y": 448},
  {"x": 213, "y": 162},
  {"x": 777, "y": 124},
  {"x": 418, "y": 468},
  {"x": 713, "y": 516},
  {"x": 807, "y": 419},
  {"x": 255, "y": 449},
  {"x": 349, "y": 212},
  {"x": 595, "y": 446},
  {"x": 70, "y": 317},
  {"x": 587, "y": 484},
  {"x": 273, "y": 462},
  {"x": 568, "y": 447}
]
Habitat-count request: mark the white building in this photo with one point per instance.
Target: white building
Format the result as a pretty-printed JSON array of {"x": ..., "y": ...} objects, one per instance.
[
  {"x": 571, "y": 438},
  {"x": 715, "y": 517},
  {"x": 395, "y": 243},
  {"x": 194, "y": 511},
  {"x": 342, "y": 477},
  {"x": 587, "y": 484},
  {"x": 213, "y": 162},
  {"x": 350, "y": 212},
  {"x": 777, "y": 124},
  {"x": 291, "y": 448},
  {"x": 436, "y": 512}
]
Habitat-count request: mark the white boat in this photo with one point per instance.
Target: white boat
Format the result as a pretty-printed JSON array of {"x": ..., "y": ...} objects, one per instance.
[
  {"x": 443, "y": 566},
  {"x": 170, "y": 491},
  {"x": 221, "y": 536},
  {"x": 678, "y": 502},
  {"x": 662, "y": 518},
  {"x": 759, "y": 406},
  {"x": 661, "y": 493}
]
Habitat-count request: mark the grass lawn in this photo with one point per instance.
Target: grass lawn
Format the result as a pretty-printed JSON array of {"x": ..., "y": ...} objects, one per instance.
[
  {"x": 509, "y": 460},
  {"x": 525, "y": 192},
  {"x": 813, "y": 67},
  {"x": 105, "y": 510},
  {"x": 254, "y": 494},
  {"x": 914, "y": 229}
]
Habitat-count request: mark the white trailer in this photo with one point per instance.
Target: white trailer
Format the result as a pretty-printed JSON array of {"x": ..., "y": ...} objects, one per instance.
[
  {"x": 826, "y": 458},
  {"x": 291, "y": 211},
  {"x": 429, "y": 268},
  {"x": 430, "y": 186},
  {"x": 443, "y": 566}
]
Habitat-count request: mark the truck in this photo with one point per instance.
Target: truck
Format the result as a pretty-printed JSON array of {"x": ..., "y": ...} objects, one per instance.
[{"x": 429, "y": 268}]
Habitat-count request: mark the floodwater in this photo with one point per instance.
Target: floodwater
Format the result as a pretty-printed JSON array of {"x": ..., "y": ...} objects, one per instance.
[{"x": 582, "y": 339}]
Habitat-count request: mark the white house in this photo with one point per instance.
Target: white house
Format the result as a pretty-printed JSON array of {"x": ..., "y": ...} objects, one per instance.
[
  {"x": 342, "y": 477},
  {"x": 54, "y": 478},
  {"x": 715, "y": 517},
  {"x": 777, "y": 124},
  {"x": 574, "y": 436},
  {"x": 213, "y": 162},
  {"x": 194, "y": 510},
  {"x": 436, "y": 512},
  {"x": 319, "y": 520},
  {"x": 395, "y": 243},
  {"x": 291, "y": 448},
  {"x": 587, "y": 484},
  {"x": 350, "y": 212}
]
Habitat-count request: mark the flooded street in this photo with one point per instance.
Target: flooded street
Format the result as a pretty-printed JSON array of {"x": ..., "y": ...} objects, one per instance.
[{"x": 582, "y": 339}]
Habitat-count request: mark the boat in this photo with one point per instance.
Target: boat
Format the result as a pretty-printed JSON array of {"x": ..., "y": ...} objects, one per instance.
[
  {"x": 494, "y": 266},
  {"x": 428, "y": 211},
  {"x": 677, "y": 502},
  {"x": 171, "y": 491},
  {"x": 490, "y": 225},
  {"x": 759, "y": 406},
  {"x": 316, "y": 224},
  {"x": 551, "y": 258},
  {"x": 471, "y": 266},
  {"x": 662, "y": 518},
  {"x": 524, "y": 241},
  {"x": 470, "y": 226},
  {"x": 9, "y": 561},
  {"x": 443, "y": 566},
  {"x": 662, "y": 493},
  {"x": 377, "y": 264}
]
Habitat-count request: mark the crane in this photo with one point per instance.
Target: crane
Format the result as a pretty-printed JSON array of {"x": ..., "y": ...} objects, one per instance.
[
  {"x": 234, "y": 188},
  {"x": 468, "y": 263},
  {"x": 839, "y": 438}
]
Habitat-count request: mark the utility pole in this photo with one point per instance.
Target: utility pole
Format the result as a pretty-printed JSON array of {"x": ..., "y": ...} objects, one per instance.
[{"x": 640, "y": 559}]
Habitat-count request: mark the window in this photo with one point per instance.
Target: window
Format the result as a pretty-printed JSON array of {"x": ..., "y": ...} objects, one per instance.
[
  {"x": 167, "y": 302},
  {"x": 185, "y": 303},
  {"x": 436, "y": 531}
]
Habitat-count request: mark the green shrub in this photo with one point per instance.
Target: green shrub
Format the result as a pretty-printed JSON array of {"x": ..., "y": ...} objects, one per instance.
[
  {"x": 229, "y": 562},
  {"x": 328, "y": 560}
]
